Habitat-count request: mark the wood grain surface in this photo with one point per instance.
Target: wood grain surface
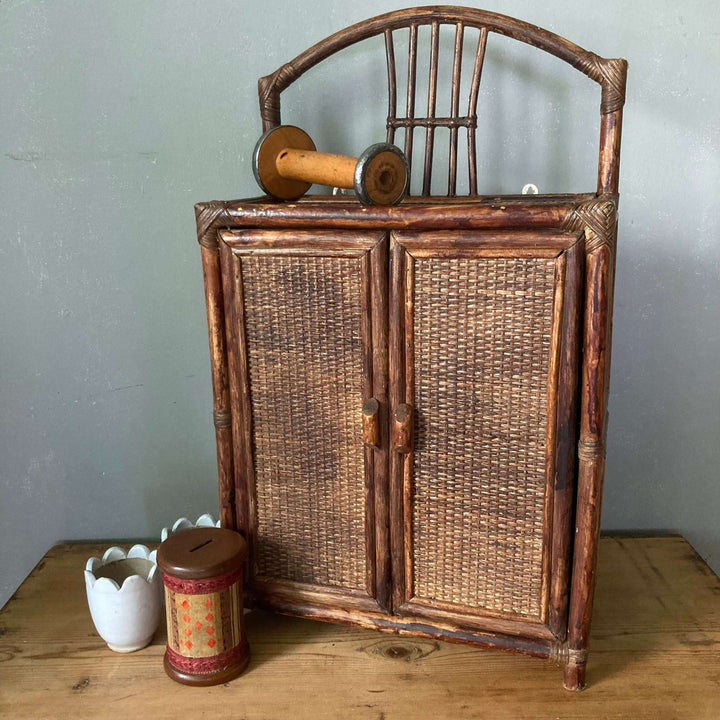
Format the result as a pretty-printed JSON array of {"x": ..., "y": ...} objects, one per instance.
[{"x": 655, "y": 640}]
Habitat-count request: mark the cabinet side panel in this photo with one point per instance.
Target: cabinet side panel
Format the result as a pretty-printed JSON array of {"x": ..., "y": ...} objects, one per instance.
[
  {"x": 482, "y": 334},
  {"x": 305, "y": 357}
]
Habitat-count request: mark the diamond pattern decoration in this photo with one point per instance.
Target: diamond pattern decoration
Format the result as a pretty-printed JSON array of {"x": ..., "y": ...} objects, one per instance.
[
  {"x": 195, "y": 630},
  {"x": 198, "y": 627}
]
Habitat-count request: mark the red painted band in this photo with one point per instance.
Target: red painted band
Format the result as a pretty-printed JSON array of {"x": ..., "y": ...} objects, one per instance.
[
  {"x": 206, "y": 665},
  {"x": 187, "y": 586}
]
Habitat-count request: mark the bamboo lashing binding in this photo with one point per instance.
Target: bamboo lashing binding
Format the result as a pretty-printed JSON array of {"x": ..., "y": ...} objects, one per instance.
[{"x": 286, "y": 164}]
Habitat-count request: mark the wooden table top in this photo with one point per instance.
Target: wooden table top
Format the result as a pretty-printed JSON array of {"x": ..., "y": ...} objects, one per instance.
[{"x": 654, "y": 653}]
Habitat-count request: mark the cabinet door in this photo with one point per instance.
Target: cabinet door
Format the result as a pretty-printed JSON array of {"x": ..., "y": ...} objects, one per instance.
[
  {"x": 483, "y": 361},
  {"x": 307, "y": 346}
]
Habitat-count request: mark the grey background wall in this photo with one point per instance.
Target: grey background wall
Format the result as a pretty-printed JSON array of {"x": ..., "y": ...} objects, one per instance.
[{"x": 116, "y": 117}]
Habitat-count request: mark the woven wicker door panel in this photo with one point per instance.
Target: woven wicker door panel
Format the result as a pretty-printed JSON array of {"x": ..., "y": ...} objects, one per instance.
[
  {"x": 305, "y": 344},
  {"x": 483, "y": 332}
]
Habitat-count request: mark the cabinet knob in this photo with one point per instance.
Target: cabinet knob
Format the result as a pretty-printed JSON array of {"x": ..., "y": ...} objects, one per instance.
[
  {"x": 402, "y": 428},
  {"x": 371, "y": 422}
]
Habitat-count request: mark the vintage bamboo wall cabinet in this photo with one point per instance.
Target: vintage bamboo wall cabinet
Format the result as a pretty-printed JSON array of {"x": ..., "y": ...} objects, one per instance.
[{"x": 410, "y": 401}]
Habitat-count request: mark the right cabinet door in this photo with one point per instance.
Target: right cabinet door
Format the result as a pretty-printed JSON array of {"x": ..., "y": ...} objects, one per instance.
[{"x": 483, "y": 362}]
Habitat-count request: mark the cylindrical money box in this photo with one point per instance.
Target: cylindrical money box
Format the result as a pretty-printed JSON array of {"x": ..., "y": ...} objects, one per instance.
[{"x": 202, "y": 573}]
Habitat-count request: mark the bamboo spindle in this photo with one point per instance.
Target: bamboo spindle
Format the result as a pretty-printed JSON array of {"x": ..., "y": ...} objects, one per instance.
[{"x": 286, "y": 164}]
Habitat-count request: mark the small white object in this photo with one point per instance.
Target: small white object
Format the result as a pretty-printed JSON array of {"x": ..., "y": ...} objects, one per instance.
[
  {"x": 205, "y": 520},
  {"x": 530, "y": 189},
  {"x": 125, "y": 596}
]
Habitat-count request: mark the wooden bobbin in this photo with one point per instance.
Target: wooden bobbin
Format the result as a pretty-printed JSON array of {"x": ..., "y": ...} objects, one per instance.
[
  {"x": 286, "y": 164},
  {"x": 202, "y": 573}
]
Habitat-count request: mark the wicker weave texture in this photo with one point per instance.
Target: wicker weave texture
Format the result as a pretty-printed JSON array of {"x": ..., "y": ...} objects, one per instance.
[
  {"x": 304, "y": 348},
  {"x": 482, "y": 342}
]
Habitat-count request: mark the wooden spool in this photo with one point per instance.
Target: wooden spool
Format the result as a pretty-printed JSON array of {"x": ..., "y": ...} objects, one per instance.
[{"x": 286, "y": 163}]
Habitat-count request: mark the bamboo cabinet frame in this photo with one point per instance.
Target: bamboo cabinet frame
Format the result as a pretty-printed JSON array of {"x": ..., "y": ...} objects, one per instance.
[{"x": 393, "y": 469}]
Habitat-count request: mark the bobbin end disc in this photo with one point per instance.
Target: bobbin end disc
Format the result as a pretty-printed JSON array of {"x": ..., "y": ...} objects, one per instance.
[
  {"x": 218, "y": 677},
  {"x": 382, "y": 175},
  {"x": 268, "y": 147}
]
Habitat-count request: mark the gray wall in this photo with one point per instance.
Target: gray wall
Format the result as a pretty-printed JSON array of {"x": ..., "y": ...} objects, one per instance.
[{"x": 115, "y": 117}]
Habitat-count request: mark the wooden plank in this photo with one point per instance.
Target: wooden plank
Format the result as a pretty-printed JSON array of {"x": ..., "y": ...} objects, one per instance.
[{"x": 654, "y": 654}]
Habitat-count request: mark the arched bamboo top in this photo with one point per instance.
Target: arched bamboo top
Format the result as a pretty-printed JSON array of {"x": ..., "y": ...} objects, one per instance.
[{"x": 610, "y": 74}]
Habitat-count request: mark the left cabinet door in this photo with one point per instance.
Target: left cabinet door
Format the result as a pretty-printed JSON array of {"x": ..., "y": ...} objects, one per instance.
[{"x": 306, "y": 325}]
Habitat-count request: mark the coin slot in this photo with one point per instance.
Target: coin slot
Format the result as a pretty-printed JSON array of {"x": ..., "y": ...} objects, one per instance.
[{"x": 201, "y": 545}]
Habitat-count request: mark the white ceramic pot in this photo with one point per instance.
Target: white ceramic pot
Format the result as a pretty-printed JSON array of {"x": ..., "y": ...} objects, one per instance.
[
  {"x": 205, "y": 520},
  {"x": 125, "y": 595}
]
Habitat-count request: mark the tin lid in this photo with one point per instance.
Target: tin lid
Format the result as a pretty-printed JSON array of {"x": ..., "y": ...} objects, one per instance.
[{"x": 201, "y": 552}]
